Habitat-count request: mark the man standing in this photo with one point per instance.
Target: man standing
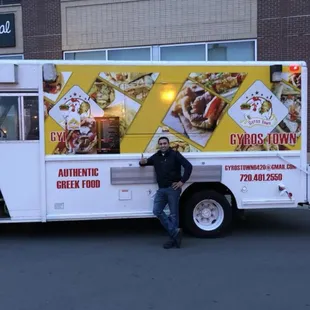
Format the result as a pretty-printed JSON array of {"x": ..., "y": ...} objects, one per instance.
[{"x": 167, "y": 164}]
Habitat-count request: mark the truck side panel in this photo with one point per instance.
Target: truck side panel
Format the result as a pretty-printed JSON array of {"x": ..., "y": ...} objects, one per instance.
[
  {"x": 83, "y": 188},
  {"x": 20, "y": 179}
]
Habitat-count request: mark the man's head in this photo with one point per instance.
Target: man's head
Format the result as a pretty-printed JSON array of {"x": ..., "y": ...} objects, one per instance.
[{"x": 163, "y": 143}]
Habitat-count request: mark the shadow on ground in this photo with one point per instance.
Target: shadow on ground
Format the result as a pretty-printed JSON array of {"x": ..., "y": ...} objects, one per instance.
[{"x": 266, "y": 222}]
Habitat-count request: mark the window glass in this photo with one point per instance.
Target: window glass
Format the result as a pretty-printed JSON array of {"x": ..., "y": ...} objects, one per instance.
[
  {"x": 11, "y": 56},
  {"x": 9, "y": 122},
  {"x": 89, "y": 55},
  {"x": 233, "y": 51},
  {"x": 138, "y": 54},
  {"x": 31, "y": 118},
  {"x": 6, "y": 2},
  {"x": 183, "y": 53}
]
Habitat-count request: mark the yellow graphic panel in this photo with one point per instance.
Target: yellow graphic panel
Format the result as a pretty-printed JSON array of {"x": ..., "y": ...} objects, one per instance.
[{"x": 112, "y": 109}]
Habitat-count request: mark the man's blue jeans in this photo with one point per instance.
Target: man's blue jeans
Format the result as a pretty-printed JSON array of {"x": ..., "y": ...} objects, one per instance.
[{"x": 171, "y": 197}]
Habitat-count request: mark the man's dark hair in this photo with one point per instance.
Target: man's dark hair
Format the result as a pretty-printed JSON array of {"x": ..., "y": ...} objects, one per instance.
[{"x": 163, "y": 138}]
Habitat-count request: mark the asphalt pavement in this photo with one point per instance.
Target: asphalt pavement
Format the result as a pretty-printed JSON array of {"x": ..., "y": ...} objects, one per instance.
[{"x": 121, "y": 265}]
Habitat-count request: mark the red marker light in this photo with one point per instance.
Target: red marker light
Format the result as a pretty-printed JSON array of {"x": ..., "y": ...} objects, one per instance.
[{"x": 294, "y": 68}]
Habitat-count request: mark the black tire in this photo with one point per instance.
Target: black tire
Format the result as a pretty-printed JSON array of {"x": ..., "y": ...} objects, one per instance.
[{"x": 225, "y": 220}]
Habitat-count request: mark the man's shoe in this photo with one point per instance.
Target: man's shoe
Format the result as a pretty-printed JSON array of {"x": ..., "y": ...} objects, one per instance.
[
  {"x": 169, "y": 244},
  {"x": 178, "y": 238}
]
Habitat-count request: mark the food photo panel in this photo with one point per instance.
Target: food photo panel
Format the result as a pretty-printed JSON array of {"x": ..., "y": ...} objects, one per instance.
[
  {"x": 291, "y": 98},
  {"x": 176, "y": 143},
  {"x": 195, "y": 113},
  {"x": 126, "y": 110},
  {"x": 134, "y": 84},
  {"x": 225, "y": 84},
  {"x": 104, "y": 94},
  {"x": 47, "y": 107},
  {"x": 52, "y": 89},
  {"x": 294, "y": 79}
]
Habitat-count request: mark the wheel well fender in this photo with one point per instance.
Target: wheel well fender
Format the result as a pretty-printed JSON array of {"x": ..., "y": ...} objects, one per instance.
[{"x": 216, "y": 186}]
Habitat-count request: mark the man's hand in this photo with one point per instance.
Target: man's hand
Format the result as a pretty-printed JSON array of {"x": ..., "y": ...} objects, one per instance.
[
  {"x": 143, "y": 160},
  {"x": 177, "y": 185}
]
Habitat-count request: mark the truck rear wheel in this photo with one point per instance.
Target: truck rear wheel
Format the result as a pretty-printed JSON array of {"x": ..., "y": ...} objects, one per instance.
[{"x": 207, "y": 214}]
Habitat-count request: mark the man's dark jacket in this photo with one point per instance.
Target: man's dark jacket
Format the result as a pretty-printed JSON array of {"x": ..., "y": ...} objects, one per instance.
[{"x": 168, "y": 167}]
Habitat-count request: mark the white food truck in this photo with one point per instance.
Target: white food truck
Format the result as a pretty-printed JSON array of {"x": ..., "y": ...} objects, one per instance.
[{"x": 72, "y": 134}]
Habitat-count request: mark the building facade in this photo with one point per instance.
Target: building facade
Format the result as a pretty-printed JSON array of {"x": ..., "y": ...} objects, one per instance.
[
  {"x": 11, "y": 30},
  {"x": 155, "y": 29},
  {"x": 133, "y": 30},
  {"x": 159, "y": 30}
]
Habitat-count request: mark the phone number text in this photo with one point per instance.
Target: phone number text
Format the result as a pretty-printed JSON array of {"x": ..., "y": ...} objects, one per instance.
[{"x": 261, "y": 177}]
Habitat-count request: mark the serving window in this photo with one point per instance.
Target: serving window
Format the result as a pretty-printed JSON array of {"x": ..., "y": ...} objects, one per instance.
[{"x": 19, "y": 117}]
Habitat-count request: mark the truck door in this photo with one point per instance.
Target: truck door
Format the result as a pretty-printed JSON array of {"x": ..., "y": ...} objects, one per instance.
[{"x": 19, "y": 156}]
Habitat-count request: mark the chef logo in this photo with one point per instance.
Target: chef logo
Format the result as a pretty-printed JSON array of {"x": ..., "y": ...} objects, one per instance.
[{"x": 258, "y": 110}]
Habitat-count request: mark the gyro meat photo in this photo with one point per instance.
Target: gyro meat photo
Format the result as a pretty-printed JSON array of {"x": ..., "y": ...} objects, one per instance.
[{"x": 195, "y": 113}]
